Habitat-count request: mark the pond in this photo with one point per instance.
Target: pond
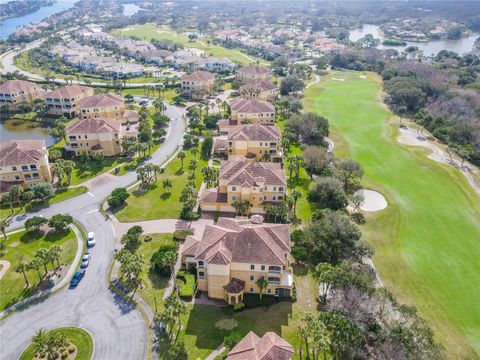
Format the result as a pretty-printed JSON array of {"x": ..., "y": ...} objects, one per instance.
[
  {"x": 9, "y": 26},
  {"x": 429, "y": 48},
  {"x": 18, "y": 129}
]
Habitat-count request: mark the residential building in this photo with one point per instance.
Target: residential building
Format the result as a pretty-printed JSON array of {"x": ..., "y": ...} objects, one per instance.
[
  {"x": 269, "y": 347},
  {"x": 252, "y": 73},
  {"x": 234, "y": 253},
  {"x": 15, "y": 92},
  {"x": 197, "y": 84},
  {"x": 254, "y": 142},
  {"x": 252, "y": 111},
  {"x": 109, "y": 105},
  {"x": 100, "y": 136},
  {"x": 23, "y": 162},
  {"x": 64, "y": 101},
  {"x": 259, "y": 183},
  {"x": 262, "y": 90},
  {"x": 217, "y": 64}
]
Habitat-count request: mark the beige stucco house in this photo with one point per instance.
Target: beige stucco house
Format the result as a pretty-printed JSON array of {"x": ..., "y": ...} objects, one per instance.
[
  {"x": 262, "y": 90},
  {"x": 234, "y": 253},
  {"x": 252, "y": 73},
  {"x": 64, "y": 100},
  {"x": 109, "y": 105},
  {"x": 15, "y": 92},
  {"x": 23, "y": 162},
  {"x": 197, "y": 84},
  {"x": 252, "y": 111}
]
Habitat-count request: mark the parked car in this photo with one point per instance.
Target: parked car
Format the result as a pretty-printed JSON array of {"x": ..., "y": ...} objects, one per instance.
[
  {"x": 91, "y": 239},
  {"x": 85, "y": 260},
  {"x": 77, "y": 277}
]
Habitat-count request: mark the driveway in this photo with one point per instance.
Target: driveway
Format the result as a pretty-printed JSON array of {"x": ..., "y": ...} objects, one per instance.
[{"x": 118, "y": 329}]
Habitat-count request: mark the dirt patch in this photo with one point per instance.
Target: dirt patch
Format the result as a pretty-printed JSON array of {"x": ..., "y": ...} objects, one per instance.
[
  {"x": 226, "y": 324},
  {"x": 14, "y": 244},
  {"x": 4, "y": 266}
]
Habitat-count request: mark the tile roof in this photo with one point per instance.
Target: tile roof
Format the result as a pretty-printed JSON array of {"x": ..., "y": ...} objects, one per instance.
[
  {"x": 262, "y": 85},
  {"x": 101, "y": 100},
  {"x": 252, "y": 69},
  {"x": 12, "y": 86},
  {"x": 251, "y": 106},
  {"x": 241, "y": 241},
  {"x": 235, "y": 286},
  {"x": 68, "y": 91},
  {"x": 92, "y": 126},
  {"x": 212, "y": 196},
  {"x": 254, "y": 132},
  {"x": 21, "y": 152},
  {"x": 199, "y": 76},
  {"x": 269, "y": 347},
  {"x": 248, "y": 174}
]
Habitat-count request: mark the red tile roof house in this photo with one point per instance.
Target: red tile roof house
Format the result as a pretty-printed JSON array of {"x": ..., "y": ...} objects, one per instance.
[
  {"x": 234, "y": 253},
  {"x": 64, "y": 100},
  {"x": 262, "y": 90},
  {"x": 252, "y": 111},
  {"x": 252, "y": 73},
  {"x": 15, "y": 92},
  {"x": 269, "y": 347},
  {"x": 197, "y": 84}
]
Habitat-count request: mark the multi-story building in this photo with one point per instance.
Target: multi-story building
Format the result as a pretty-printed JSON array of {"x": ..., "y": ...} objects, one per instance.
[
  {"x": 258, "y": 183},
  {"x": 109, "y": 105},
  {"x": 64, "y": 101},
  {"x": 253, "y": 111},
  {"x": 269, "y": 347},
  {"x": 100, "y": 136},
  {"x": 262, "y": 90},
  {"x": 197, "y": 84},
  {"x": 252, "y": 73},
  {"x": 15, "y": 92},
  {"x": 23, "y": 162},
  {"x": 254, "y": 142},
  {"x": 234, "y": 253}
]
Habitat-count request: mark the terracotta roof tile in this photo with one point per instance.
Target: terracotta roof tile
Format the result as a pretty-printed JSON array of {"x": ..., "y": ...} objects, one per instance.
[
  {"x": 251, "y": 106},
  {"x": 269, "y": 347},
  {"x": 68, "y": 91},
  {"x": 262, "y": 85},
  {"x": 254, "y": 133},
  {"x": 199, "y": 76},
  {"x": 235, "y": 286},
  {"x": 91, "y": 126},
  {"x": 252, "y": 173},
  {"x": 21, "y": 152},
  {"x": 14, "y": 86},
  {"x": 101, "y": 100}
]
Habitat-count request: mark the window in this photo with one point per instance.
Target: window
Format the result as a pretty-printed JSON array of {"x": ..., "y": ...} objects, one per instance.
[
  {"x": 234, "y": 198},
  {"x": 252, "y": 277},
  {"x": 262, "y": 267},
  {"x": 17, "y": 177},
  {"x": 14, "y": 168},
  {"x": 24, "y": 168},
  {"x": 201, "y": 275},
  {"x": 200, "y": 264},
  {"x": 35, "y": 176},
  {"x": 280, "y": 189},
  {"x": 251, "y": 289},
  {"x": 265, "y": 188},
  {"x": 234, "y": 188},
  {"x": 27, "y": 177},
  {"x": 265, "y": 198},
  {"x": 261, "y": 144},
  {"x": 269, "y": 291},
  {"x": 86, "y": 137},
  {"x": 274, "y": 269},
  {"x": 274, "y": 198},
  {"x": 280, "y": 198},
  {"x": 252, "y": 267},
  {"x": 274, "y": 188},
  {"x": 72, "y": 137}
]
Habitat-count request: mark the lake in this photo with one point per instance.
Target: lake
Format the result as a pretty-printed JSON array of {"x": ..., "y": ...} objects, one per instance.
[
  {"x": 131, "y": 9},
  {"x": 17, "y": 129},
  {"x": 9, "y": 26},
  {"x": 460, "y": 46}
]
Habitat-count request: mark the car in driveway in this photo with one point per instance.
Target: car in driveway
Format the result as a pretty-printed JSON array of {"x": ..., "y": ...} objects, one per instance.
[
  {"x": 85, "y": 260},
  {"x": 91, "y": 239},
  {"x": 77, "y": 277}
]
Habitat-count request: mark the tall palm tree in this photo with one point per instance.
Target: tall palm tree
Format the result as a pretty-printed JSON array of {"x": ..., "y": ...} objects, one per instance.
[
  {"x": 296, "y": 194},
  {"x": 262, "y": 285},
  {"x": 167, "y": 185},
  {"x": 35, "y": 265},
  {"x": 4, "y": 223},
  {"x": 181, "y": 155},
  {"x": 55, "y": 253},
  {"x": 22, "y": 268}
]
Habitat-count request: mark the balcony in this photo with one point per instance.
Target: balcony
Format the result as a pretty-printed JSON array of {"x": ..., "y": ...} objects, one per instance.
[{"x": 274, "y": 270}]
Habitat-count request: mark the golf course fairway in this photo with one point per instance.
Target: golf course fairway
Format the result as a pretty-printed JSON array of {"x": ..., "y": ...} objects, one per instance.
[{"x": 427, "y": 241}]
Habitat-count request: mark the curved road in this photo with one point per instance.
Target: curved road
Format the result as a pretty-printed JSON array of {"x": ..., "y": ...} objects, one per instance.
[{"x": 118, "y": 329}]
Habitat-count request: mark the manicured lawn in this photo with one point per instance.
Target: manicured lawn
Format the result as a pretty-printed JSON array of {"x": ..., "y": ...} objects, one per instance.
[
  {"x": 79, "y": 337},
  {"x": 156, "y": 203},
  {"x": 203, "y": 329},
  {"x": 186, "y": 283},
  {"x": 427, "y": 240},
  {"x": 89, "y": 169},
  {"x": 26, "y": 243},
  {"x": 151, "y": 31},
  {"x": 153, "y": 284}
]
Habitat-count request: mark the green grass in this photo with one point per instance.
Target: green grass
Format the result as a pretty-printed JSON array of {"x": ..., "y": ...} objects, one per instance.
[
  {"x": 426, "y": 241},
  {"x": 153, "y": 284},
  {"x": 151, "y": 31},
  {"x": 201, "y": 332},
  {"x": 82, "y": 340},
  {"x": 186, "y": 282},
  {"x": 89, "y": 169},
  {"x": 156, "y": 203},
  {"x": 26, "y": 243}
]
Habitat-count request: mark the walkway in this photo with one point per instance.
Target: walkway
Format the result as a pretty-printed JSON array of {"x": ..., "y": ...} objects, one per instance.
[{"x": 5, "y": 265}]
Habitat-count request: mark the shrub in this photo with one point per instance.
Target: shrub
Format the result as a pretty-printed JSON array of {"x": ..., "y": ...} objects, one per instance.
[
  {"x": 118, "y": 197},
  {"x": 187, "y": 289},
  {"x": 216, "y": 215},
  {"x": 60, "y": 222},
  {"x": 232, "y": 339},
  {"x": 71, "y": 348},
  {"x": 65, "y": 355},
  {"x": 239, "y": 306},
  {"x": 163, "y": 259},
  {"x": 358, "y": 218},
  {"x": 294, "y": 292},
  {"x": 181, "y": 234},
  {"x": 253, "y": 300}
]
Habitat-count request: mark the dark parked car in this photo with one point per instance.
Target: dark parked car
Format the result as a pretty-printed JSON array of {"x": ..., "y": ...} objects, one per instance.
[{"x": 77, "y": 277}]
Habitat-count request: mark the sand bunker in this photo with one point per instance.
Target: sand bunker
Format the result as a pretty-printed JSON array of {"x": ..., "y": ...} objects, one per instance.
[
  {"x": 373, "y": 201},
  {"x": 226, "y": 324},
  {"x": 363, "y": 77},
  {"x": 338, "y": 79}
]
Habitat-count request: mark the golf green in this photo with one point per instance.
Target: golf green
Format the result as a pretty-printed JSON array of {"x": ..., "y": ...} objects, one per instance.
[{"x": 427, "y": 241}]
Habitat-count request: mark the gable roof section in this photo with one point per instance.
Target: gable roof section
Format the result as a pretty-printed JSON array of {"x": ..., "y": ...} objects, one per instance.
[
  {"x": 21, "y": 152},
  {"x": 101, "y": 100},
  {"x": 262, "y": 85},
  {"x": 254, "y": 132},
  {"x": 269, "y": 347},
  {"x": 68, "y": 91},
  {"x": 15, "y": 86},
  {"x": 251, "y": 106},
  {"x": 252, "y": 173},
  {"x": 91, "y": 126},
  {"x": 199, "y": 76}
]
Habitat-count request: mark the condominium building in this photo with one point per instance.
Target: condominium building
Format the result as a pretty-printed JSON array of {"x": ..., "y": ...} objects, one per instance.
[
  {"x": 109, "y": 105},
  {"x": 258, "y": 183},
  {"x": 15, "y": 92},
  {"x": 252, "y": 111},
  {"x": 252, "y": 73},
  {"x": 234, "y": 253},
  {"x": 23, "y": 162},
  {"x": 197, "y": 84},
  {"x": 64, "y": 100},
  {"x": 100, "y": 136},
  {"x": 262, "y": 90},
  {"x": 268, "y": 347}
]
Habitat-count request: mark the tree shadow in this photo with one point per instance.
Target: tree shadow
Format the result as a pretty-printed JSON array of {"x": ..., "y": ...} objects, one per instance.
[
  {"x": 158, "y": 281},
  {"x": 165, "y": 195},
  {"x": 54, "y": 236},
  {"x": 31, "y": 236},
  {"x": 180, "y": 172}
]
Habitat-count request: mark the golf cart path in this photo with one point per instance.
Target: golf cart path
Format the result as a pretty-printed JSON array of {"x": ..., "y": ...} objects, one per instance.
[
  {"x": 5, "y": 266},
  {"x": 316, "y": 81},
  {"x": 410, "y": 136}
]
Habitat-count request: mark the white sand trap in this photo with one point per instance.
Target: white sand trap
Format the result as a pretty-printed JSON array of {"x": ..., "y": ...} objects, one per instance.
[
  {"x": 363, "y": 77},
  {"x": 5, "y": 265},
  {"x": 373, "y": 201},
  {"x": 338, "y": 79}
]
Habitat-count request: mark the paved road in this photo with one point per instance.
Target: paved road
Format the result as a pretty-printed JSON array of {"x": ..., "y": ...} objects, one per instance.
[{"x": 118, "y": 329}]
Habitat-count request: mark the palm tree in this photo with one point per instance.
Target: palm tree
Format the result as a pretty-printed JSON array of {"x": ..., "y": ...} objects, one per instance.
[
  {"x": 22, "y": 268},
  {"x": 4, "y": 223},
  {"x": 43, "y": 258},
  {"x": 296, "y": 194},
  {"x": 167, "y": 185},
  {"x": 262, "y": 285},
  {"x": 401, "y": 111},
  {"x": 55, "y": 253},
  {"x": 193, "y": 166},
  {"x": 35, "y": 265},
  {"x": 181, "y": 156}
]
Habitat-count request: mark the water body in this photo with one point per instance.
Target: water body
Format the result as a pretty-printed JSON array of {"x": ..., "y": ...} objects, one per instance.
[
  {"x": 18, "y": 129},
  {"x": 460, "y": 46},
  {"x": 9, "y": 26},
  {"x": 131, "y": 9}
]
